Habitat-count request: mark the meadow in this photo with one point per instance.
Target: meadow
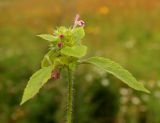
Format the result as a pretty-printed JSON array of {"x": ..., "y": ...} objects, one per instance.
[{"x": 125, "y": 31}]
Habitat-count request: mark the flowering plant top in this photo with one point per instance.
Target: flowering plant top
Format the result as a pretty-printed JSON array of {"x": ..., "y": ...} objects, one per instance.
[{"x": 66, "y": 51}]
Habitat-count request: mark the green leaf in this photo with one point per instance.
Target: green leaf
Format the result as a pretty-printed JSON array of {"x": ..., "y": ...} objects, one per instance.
[
  {"x": 46, "y": 61},
  {"x": 75, "y": 51},
  {"x": 37, "y": 80},
  {"x": 49, "y": 59},
  {"x": 78, "y": 34},
  {"x": 48, "y": 37},
  {"x": 117, "y": 71}
]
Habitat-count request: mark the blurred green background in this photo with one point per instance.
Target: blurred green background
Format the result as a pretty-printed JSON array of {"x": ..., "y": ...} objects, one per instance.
[{"x": 126, "y": 31}]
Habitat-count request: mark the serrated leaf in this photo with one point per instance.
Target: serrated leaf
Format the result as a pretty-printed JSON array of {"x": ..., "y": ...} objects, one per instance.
[
  {"x": 78, "y": 34},
  {"x": 37, "y": 80},
  {"x": 117, "y": 71},
  {"x": 75, "y": 51},
  {"x": 48, "y": 37}
]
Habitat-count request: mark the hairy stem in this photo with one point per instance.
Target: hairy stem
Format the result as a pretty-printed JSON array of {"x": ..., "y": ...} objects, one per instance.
[{"x": 70, "y": 96}]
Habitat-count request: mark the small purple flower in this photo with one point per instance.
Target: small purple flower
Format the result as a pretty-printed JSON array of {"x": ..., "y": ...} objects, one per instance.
[
  {"x": 78, "y": 22},
  {"x": 55, "y": 74},
  {"x": 59, "y": 44},
  {"x": 81, "y": 23},
  {"x": 61, "y": 36}
]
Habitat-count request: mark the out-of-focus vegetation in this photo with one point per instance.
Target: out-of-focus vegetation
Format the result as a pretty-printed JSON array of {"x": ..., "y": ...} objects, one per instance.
[{"x": 125, "y": 31}]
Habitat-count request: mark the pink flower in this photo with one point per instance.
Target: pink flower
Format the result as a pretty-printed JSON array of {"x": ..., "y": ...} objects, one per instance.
[
  {"x": 55, "y": 74},
  {"x": 81, "y": 23},
  {"x": 78, "y": 22}
]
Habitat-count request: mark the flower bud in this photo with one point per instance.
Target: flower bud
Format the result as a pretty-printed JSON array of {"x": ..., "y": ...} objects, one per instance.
[
  {"x": 55, "y": 74},
  {"x": 61, "y": 36},
  {"x": 59, "y": 45}
]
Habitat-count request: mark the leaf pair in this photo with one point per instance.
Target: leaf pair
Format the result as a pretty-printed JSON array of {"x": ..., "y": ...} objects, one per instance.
[
  {"x": 77, "y": 35},
  {"x": 41, "y": 77},
  {"x": 63, "y": 55}
]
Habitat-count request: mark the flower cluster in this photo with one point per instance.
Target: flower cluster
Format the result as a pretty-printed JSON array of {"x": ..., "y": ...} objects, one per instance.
[{"x": 64, "y": 39}]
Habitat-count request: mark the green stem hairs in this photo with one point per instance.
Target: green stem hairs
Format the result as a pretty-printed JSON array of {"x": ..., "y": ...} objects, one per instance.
[{"x": 66, "y": 52}]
